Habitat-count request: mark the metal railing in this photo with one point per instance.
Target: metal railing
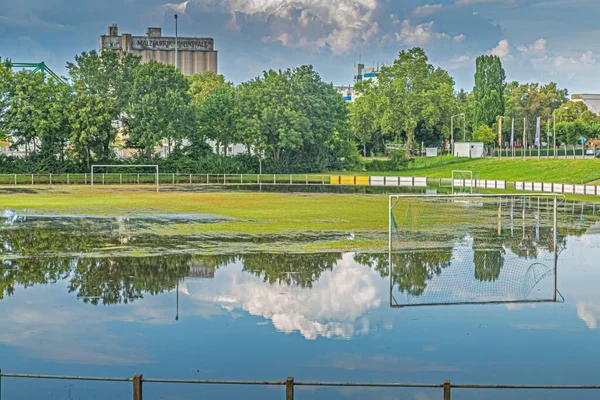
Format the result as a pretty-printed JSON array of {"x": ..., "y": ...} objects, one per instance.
[{"x": 138, "y": 383}]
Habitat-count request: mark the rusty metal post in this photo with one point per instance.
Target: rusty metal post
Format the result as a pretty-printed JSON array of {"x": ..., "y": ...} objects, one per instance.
[
  {"x": 447, "y": 390},
  {"x": 289, "y": 388},
  {"x": 137, "y": 387}
]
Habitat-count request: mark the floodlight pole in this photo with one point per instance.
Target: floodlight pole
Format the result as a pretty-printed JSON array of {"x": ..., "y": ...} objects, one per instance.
[
  {"x": 176, "y": 47},
  {"x": 554, "y": 118}
]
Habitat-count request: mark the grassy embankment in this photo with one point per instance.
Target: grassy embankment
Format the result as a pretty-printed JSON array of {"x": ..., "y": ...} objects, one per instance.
[{"x": 530, "y": 170}]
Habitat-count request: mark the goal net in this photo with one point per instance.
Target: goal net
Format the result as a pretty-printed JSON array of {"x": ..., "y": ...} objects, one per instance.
[
  {"x": 105, "y": 168},
  {"x": 466, "y": 249},
  {"x": 465, "y": 182}
]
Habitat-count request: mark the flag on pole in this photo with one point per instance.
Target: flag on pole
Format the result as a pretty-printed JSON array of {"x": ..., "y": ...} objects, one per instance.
[
  {"x": 512, "y": 134},
  {"x": 538, "y": 127},
  {"x": 500, "y": 133}
]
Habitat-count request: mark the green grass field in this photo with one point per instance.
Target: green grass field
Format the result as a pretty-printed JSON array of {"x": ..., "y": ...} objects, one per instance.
[
  {"x": 530, "y": 170},
  {"x": 252, "y": 213}
]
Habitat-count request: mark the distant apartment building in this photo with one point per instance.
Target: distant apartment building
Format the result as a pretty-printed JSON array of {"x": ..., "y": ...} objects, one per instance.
[
  {"x": 592, "y": 101},
  {"x": 360, "y": 73},
  {"x": 196, "y": 55}
]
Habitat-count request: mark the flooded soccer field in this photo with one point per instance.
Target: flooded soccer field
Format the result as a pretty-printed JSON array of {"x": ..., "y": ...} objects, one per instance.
[{"x": 482, "y": 300}]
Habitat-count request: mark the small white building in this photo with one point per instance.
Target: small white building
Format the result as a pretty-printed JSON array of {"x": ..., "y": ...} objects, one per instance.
[{"x": 468, "y": 149}]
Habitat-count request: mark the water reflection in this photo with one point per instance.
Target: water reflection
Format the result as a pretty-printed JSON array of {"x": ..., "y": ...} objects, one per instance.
[{"x": 120, "y": 280}]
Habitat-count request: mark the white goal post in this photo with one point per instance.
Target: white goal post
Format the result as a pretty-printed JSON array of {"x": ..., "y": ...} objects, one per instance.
[
  {"x": 473, "y": 248},
  {"x": 155, "y": 167},
  {"x": 462, "y": 179}
]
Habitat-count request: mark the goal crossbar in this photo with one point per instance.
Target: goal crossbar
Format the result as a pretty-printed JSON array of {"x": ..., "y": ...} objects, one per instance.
[{"x": 126, "y": 166}]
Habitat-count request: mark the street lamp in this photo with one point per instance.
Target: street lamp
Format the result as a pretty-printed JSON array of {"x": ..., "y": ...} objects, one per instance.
[
  {"x": 176, "y": 47},
  {"x": 452, "y": 131}
]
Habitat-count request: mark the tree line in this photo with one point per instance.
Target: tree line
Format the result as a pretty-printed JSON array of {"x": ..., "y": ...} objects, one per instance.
[{"x": 286, "y": 121}]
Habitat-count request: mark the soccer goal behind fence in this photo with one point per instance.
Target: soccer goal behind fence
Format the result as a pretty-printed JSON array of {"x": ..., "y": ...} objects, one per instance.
[
  {"x": 466, "y": 182},
  {"x": 108, "y": 168},
  {"x": 473, "y": 249}
]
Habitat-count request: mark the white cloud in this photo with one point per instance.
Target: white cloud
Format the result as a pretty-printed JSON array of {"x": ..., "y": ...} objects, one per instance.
[
  {"x": 537, "y": 47},
  {"x": 459, "y": 38},
  {"x": 589, "y": 312},
  {"x": 461, "y": 59},
  {"x": 473, "y": 2},
  {"x": 583, "y": 63},
  {"x": 338, "y": 25},
  {"x": 501, "y": 50},
  {"x": 337, "y": 305},
  {"x": 180, "y": 8},
  {"x": 418, "y": 35},
  {"x": 587, "y": 57},
  {"x": 427, "y": 9}
]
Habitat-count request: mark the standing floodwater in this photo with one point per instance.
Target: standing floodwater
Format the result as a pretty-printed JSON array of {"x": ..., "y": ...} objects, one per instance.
[{"x": 71, "y": 306}]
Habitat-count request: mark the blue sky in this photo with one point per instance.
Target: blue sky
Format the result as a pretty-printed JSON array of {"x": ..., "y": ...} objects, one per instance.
[{"x": 538, "y": 40}]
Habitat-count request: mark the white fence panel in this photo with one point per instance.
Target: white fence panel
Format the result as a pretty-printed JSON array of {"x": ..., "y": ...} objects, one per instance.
[
  {"x": 519, "y": 186},
  {"x": 580, "y": 189},
  {"x": 547, "y": 187},
  {"x": 420, "y": 182},
  {"x": 537, "y": 186},
  {"x": 590, "y": 190},
  {"x": 501, "y": 185},
  {"x": 406, "y": 181},
  {"x": 377, "y": 181},
  {"x": 569, "y": 189},
  {"x": 391, "y": 181}
]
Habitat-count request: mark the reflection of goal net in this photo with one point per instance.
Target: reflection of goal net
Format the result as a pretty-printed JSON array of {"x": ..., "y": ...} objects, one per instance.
[
  {"x": 464, "y": 249},
  {"x": 467, "y": 182}
]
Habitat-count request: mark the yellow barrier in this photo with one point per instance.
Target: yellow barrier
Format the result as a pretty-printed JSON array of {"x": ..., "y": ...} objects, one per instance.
[
  {"x": 334, "y": 180},
  {"x": 346, "y": 180},
  {"x": 362, "y": 180}
]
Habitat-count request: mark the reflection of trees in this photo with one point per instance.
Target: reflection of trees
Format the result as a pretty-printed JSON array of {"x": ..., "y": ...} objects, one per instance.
[
  {"x": 115, "y": 280},
  {"x": 70, "y": 236},
  {"x": 488, "y": 255},
  {"x": 290, "y": 269},
  {"x": 122, "y": 280},
  {"x": 30, "y": 272},
  {"x": 411, "y": 270}
]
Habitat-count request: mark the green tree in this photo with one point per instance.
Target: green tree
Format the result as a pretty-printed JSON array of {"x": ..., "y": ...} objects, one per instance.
[
  {"x": 364, "y": 121},
  {"x": 36, "y": 114},
  {"x": 570, "y": 111},
  {"x": 203, "y": 85},
  {"x": 160, "y": 109},
  {"x": 484, "y": 134},
  {"x": 92, "y": 121},
  {"x": 217, "y": 117},
  {"x": 488, "y": 92},
  {"x": 297, "y": 120},
  {"x": 104, "y": 87},
  {"x": 413, "y": 100}
]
